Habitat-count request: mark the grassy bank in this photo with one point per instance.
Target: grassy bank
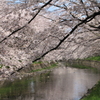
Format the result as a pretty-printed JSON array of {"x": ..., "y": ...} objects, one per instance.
[
  {"x": 96, "y": 58},
  {"x": 79, "y": 64},
  {"x": 94, "y": 93},
  {"x": 53, "y": 65}
]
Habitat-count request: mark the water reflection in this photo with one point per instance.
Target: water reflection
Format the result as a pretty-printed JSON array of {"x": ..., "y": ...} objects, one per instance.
[
  {"x": 67, "y": 84},
  {"x": 61, "y": 84}
]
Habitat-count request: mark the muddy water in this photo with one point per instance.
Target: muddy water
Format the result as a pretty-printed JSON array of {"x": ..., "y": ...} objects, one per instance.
[{"x": 63, "y": 83}]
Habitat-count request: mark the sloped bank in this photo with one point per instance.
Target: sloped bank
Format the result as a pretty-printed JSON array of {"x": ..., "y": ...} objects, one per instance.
[
  {"x": 93, "y": 63},
  {"x": 84, "y": 63},
  {"x": 31, "y": 69},
  {"x": 93, "y": 94},
  {"x": 40, "y": 66},
  {"x": 88, "y": 63}
]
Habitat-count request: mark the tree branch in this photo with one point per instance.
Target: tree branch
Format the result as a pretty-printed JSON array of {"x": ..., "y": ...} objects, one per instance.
[
  {"x": 84, "y": 7},
  {"x": 89, "y": 18},
  {"x": 26, "y": 23},
  {"x": 86, "y": 20}
]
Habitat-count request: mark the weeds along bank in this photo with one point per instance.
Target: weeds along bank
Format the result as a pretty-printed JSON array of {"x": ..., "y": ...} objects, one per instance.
[
  {"x": 93, "y": 94},
  {"x": 32, "y": 69},
  {"x": 85, "y": 63},
  {"x": 40, "y": 66}
]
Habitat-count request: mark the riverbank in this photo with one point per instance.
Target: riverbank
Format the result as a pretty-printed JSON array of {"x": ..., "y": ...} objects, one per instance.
[
  {"x": 93, "y": 94},
  {"x": 31, "y": 69},
  {"x": 57, "y": 81},
  {"x": 87, "y": 63},
  {"x": 8, "y": 72},
  {"x": 90, "y": 62},
  {"x": 96, "y": 58},
  {"x": 44, "y": 66}
]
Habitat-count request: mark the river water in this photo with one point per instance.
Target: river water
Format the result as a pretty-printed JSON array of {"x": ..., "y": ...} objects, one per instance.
[{"x": 62, "y": 83}]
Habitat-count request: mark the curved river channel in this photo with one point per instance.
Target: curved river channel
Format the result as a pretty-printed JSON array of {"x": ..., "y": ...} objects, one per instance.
[{"x": 63, "y": 83}]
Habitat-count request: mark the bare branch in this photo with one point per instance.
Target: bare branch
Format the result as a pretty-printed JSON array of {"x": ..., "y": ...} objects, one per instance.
[
  {"x": 93, "y": 26},
  {"x": 47, "y": 18},
  {"x": 75, "y": 17},
  {"x": 39, "y": 10},
  {"x": 84, "y": 7},
  {"x": 65, "y": 8},
  {"x": 95, "y": 2}
]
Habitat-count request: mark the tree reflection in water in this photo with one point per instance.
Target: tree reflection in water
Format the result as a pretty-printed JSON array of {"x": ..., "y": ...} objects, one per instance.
[{"x": 63, "y": 83}]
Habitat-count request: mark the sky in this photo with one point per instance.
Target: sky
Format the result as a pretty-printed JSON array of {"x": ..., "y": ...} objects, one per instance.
[{"x": 15, "y": 1}]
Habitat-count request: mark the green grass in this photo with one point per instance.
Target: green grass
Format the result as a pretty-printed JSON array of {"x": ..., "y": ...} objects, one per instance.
[
  {"x": 80, "y": 66},
  {"x": 96, "y": 58},
  {"x": 7, "y": 66},
  {"x": 49, "y": 67},
  {"x": 20, "y": 60},
  {"x": 20, "y": 87},
  {"x": 37, "y": 62},
  {"x": 94, "y": 93},
  {"x": 1, "y": 66},
  {"x": 14, "y": 88}
]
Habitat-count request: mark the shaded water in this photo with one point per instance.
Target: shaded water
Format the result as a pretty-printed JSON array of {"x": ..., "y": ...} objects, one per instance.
[{"x": 63, "y": 83}]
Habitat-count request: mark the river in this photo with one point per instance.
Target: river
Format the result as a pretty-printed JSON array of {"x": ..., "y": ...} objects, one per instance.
[{"x": 62, "y": 83}]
